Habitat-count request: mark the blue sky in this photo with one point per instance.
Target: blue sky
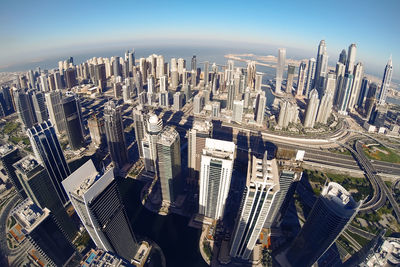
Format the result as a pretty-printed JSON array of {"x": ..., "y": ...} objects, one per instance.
[{"x": 34, "y": 30}]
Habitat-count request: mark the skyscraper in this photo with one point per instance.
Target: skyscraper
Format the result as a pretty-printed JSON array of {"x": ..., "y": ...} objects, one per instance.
[
  {"x": 280, "y": 68},
  {"x": 24, "y": 108},
  {"x": 310, "y": 77},
  {"x": 178, "y": 101},
  {"x": 325, "y": 108},
  {"x": 387, "y": 77},
  {"x": 54, "y": 102},
  {"x": 194, "y": 63},
  {"x": 319, "y": 63},
  {"x": 48, "y": 151},
  {"x": 301, "y": 80},
  {"x": 260, "y": 108},
  {"x": 290, "y": 76},
  {"x": 237, "y": 113},
  {"x": 74, "y": 121},
  {"x": 198, "y": 104},
  {"x": 370, "y": 100},
  {"x": 8, "y": 156},
  {"x": 115, "y": 134},
  {"x": 215, "y": 177},
  {"x": 312, "y": 109},
  {"x": 288, "y": 113},
  {"x": 363, "y": 93},
  {"x": 39, "y": 106},
  {"x": 231, "y": 95},
  {"x": 206, "y": 72},
  {"x": 140, "y": 129},
  {"x": 44, "y": 234},
  {"x": 96, "y": 129},
  {"x": 70, "y": 78},
  {"x": 149, "y": 142},
  {"x": 343, "y": 57},
  {"x": 355, "y": 90},
  {"x": 169, "y": 164},
  {"x": 38, "y": 186},
  {"x": 258, "y": 203},
  {"x": 332, "y": 212},
  {"x": 340, "y": 71},
  {"x": 97, "y": 201},
  {"x": 343, "y": 102},
  {"x": 351, "y": 58},
  {"x": 196, "y": 142}
]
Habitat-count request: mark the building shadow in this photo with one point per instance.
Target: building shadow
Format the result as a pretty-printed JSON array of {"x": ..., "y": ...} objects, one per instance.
[
  {"x": 222, "y": 132},
  {"x": 166, "y": 116}
]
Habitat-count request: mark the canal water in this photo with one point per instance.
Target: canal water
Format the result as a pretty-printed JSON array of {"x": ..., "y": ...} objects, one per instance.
[{"x": 178, "y": 241}]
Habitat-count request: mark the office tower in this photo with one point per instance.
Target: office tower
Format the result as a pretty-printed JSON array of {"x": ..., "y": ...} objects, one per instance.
[
  {"x": 43, "y": 83},
  {"x": 186, "y": 88},
  {"x": 387, "y": 77},
  {"x": 47, "y": 150},
  {"x": 334, "y": 209},
  {"x": 247, "y": 98},
  {"x": 6, "y": 101},
  {"x": 288, "y": 114},
  {"x": 206, "y": 72},
  {"x": 340, "y": 72},
  {"x": 98, "y": 203},
  {"x": 126, "y": 93},
  {"x": 196, "y": 142},
  {"x": 343, "y": 102},
  {"x": 301, "y": 79},
  {"x": 280, "y": 68},
  {"x": 96, "y": 129},
  {"x": 39, "y": 106},
  {"x": 216, "y": 109},
  {"x": 24, "y": 108},
  {"x": 322, "y": 73},
  {"x": 115, "y": 134},
  {"x": 215, "y": 177},
  {"x": 237, "y": 113},
  {"x": 116, "y": 67},
  {"x": 343, "y": 57},
  {"x": 169, "y": 164},
  {"x": 70, "y": 78},
  {"x": 310, "y": 77},
  {"x": 355, "y": 90},
  {"x": 330, "y": 84},
  {"x": 174, "y": 78},
  {"x": 261, "y": 200},
  {"x": 260, "y": 108},
  {"x": 251, "y": 74},
  {"x": 198, "y": 104},
  {"x": 38, "y": 186},
  {"x": 351, "y": 58},
  {"x": 178, "y": 101},
  {"x": 207, "y": 96},
  {"x": 57, "y": 80},
  {"x": 51, "y": 81},
  {"x": 32, "y": 79},
  {"x": 378, "y": 116},
  {"x": 163, "y": 98},
  {"x": 100, "y": 76},
  {"x": 370, "y": 100},
  {"x": 312, "y": 109},
  {"x": 231, "y": 95},
  {"x": 140, "y": 128},
  {"x": 258, "y": 82},
  {"x": 290, "y": 76},
  {"x": 194, "y": 64},
  {"x": 54, "y": 102},
  {"x": 74, "y": 121},
  {"x": 181, "y": 66},
  {"x": 363, "y": 93},
  {"x": 229, "y": 71},
  {"x": 149, "y": 143},
  {"x": 163, "y": 83},
  {"x": 319, "y": 64},
  {"x": 42, "y": 231},
  {"x": 159, "y": 66},
  {"x": 325, "y": 108},
  {"x": 8, "y": 156}
]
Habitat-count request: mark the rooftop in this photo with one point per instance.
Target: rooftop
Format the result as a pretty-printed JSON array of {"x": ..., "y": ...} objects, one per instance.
[
  {"x": 29, "y": 215},
  {"x": 167, "y": 136},
  {"x": 339, "y": 199},
  {"x": 5, "y": 149},
  {"x": 26, "y": 164},
  {"x": 219, "y": 148},
  {"x": 202, "y": 126}
]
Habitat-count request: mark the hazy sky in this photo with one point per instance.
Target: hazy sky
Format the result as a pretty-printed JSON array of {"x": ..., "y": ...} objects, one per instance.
[{"x": 34, "y": 30}]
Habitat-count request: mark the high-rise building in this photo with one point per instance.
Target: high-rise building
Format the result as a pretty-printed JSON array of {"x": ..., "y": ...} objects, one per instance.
[
  {"x": 42, "y": 231},
  {"x": 70, "y": 78},
  {"x": 194, "y": 63},
  {"x": 98, "y": 203},
  {"x": 355, "y": 91},
  {"x": 198, "y": 104},
  {"x": 39, "y": 106},
  {"x": 301, "y": 79},
  {"x": 116, "y": 67},
  {"x": 163, "y": 98},
  {"x": 54, "y": 102},
  {"x": 48, "y": 151},
  {"x": 319, "y": 63},
  {"x": 231, "y": 95},
  {"x": 363, "y": 93},
  {"x": 216, "y": 109},
  {"x": 351, "y": 59},
  {"x": 115, "y": 135},
  {"x": 206, "y": 72},
  {"x": 251, "y": 74},
  {"x": 343, "y": 102},
  {"x": 310, "y": 76},
  {"x": 312, "y": 109},
  {"x": 149, "y": 142},
  {"x": 6, "y": 102},
  {"x": 330, "y": 84},
  {"x": 258, "y": 82},
  {"x": 332, "y": 212},
  {"x": 322, "y": 73},
  {"x": 280, "y": 68},
  {"x": 140, "y": 128},
  {"x": 260, "y": 108},
  {"x": 38, "y": 187},
  {"x": 290, "y": 77},
  {"x": 387, "y": 77},
  {"x": 196, "y": 142},
  {"x": 169, "y": 164},
  {"x": 237, "y": 113},
  {"x": 343, "y": 57},
  {"x": 24, "y": 108},
  {"x": 258, "y": 203},
  {"x": 178, "y": 101},
  {"x": 8, "y": 156},
  {"x": 215, "y": 177},
  {"x": 74, "y": 121},
  {"x": 288, "y": 113},
  {"x": 96, "y": 129},
  {"x": 370, "y": 100},
  {"x": 340, "y": 71},
  {"x": 325, "y": 108}
]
